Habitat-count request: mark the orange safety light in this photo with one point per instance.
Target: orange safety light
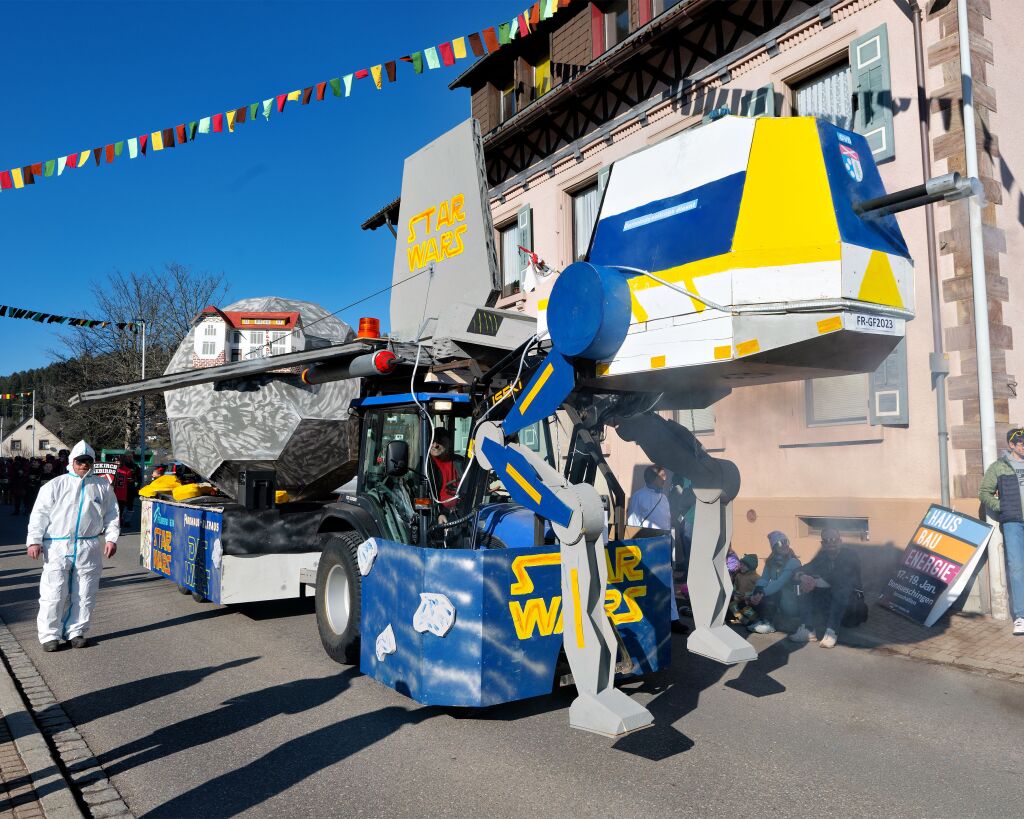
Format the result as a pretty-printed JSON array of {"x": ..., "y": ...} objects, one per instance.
[{"x": 368, "y": 328}]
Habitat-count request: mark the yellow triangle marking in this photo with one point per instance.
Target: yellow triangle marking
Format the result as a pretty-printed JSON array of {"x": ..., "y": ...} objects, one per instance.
[{"x": 879, "y": 285}]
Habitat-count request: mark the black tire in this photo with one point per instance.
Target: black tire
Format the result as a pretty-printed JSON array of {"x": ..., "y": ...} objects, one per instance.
[
  {"x": 183, "y": 589},
  {"x": 197, "y": 597},
  {"x": 338, "y": 587}
]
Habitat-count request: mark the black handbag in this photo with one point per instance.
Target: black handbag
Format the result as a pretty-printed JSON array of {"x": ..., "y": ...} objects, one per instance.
[{"x": 856, "y": 610}]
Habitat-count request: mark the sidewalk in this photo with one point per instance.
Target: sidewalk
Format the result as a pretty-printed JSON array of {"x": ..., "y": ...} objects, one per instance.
[
  {"x": 972, "y": 642},
  {"x": 32, "y": 786}
]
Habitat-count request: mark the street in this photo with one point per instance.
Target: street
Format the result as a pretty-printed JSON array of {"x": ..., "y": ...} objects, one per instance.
[{"x": 194, "y": 709}]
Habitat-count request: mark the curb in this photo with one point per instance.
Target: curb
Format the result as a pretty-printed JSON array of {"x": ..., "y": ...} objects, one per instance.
[
  {"x": 52, "y": 790},
  {"x": 75, "y": 775}
]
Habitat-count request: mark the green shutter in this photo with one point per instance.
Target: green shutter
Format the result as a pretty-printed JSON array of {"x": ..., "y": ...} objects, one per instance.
[
  {"x": 602, "y": 180},
  {"x": 759, "y": 103},
  {"x": 524, "y": 220},
  {"x": 887, "y": 399},
  {"x": 872, "y": 92}
]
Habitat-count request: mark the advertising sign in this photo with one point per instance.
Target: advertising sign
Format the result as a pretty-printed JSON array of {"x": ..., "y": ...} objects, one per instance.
[
  {"x": 444, "y": 245},
  {"x": 936, "y": 565},
  {"x": 185, "y": 546}
]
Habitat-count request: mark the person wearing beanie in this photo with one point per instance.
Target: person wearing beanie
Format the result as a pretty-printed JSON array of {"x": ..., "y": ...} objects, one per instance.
[
  {"x": 743, "y": 583},
  {"x": 828, "y": 585},
  {"x": 774, "y": 593}
]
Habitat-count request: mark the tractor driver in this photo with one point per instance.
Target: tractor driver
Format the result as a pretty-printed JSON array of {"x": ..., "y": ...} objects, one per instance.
[{"x": 446, "y": 469}]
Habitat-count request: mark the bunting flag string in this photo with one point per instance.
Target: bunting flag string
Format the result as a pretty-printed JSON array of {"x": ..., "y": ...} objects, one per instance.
[
  {"x": 432, "y": 57},
  {"x": 51, "y": 318},
  {"x": 11, "y": 396}
]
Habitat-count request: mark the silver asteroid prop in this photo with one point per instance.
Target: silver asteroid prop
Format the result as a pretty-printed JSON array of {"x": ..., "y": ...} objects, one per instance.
[{"x": 270, "y": 421}]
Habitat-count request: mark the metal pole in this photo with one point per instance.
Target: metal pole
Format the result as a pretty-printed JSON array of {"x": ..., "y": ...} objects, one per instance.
[
  {"x": 34, "y": 423},
  {"x": 939, "y": 366},
  {"x": 989, "y": 453},
  {"x": 142, "y": 407}
]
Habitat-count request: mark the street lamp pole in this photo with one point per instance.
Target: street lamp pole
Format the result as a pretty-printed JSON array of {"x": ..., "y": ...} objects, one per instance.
[{"x": 142, "y": 406}]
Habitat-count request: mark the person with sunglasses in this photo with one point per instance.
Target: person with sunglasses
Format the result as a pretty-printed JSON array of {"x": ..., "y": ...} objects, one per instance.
[
  {"x": 827, "y": 586},
  {"x": 73, "y": 515}
]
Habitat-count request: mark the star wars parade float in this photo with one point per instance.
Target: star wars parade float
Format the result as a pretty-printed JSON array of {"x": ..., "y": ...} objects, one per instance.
[{"x": 477, "y": 554}]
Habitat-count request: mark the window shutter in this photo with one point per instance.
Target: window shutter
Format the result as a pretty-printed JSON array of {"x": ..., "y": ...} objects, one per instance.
[
  {"x": 697, "y": 420},
  {"x": 887, "y": 401},
  {"x": 872, "y": 92},
  {"x": 602, "y": 181},
  {"x": 524, "y": 220},
  {"x": 760, "y": 103},
  {"x": 840, "y": 399}
]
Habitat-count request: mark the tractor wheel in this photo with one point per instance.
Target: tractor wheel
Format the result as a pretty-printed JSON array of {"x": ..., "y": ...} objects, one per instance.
[{"x": 338, "y": 584}]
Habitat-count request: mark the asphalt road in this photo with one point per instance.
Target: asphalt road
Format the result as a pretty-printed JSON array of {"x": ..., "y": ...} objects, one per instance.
[{"x": 197, "y": 710}]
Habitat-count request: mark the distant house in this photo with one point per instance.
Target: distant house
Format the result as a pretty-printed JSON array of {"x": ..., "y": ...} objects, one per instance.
[
  {"x": 21, "y": 442},
  {"x": 222, "y": 336}
]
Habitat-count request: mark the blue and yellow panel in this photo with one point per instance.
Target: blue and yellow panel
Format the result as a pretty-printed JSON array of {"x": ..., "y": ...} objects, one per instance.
[
  {"x": 507, "y": 634},
  {"x": 185, "y": 545}
]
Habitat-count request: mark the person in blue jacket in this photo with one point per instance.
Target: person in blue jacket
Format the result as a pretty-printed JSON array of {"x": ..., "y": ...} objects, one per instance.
[{"x": 775, "y": 593}]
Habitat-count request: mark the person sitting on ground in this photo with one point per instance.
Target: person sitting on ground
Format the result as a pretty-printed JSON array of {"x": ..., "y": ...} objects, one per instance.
[
  {"x": 827, "y": 586},
  {"x": 775, "y": 593},
  {"x": 743, "y": 584}
]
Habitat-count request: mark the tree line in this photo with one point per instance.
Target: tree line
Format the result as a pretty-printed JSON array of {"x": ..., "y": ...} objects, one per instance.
[{"x": 86, "y": 359}]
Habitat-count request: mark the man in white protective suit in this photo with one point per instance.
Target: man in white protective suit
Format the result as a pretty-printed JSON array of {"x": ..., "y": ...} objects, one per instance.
[{"x": 72, "y": 516}]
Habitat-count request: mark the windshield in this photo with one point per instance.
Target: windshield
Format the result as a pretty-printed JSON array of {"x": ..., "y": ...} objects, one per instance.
[{"x": 380, "y": 428}]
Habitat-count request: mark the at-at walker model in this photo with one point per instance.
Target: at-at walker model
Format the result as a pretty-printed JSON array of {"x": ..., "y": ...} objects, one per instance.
[{"x": 740, "y": 252}]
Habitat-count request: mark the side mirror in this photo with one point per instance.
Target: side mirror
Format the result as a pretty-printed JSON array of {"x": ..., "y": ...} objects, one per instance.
[{"x": 396, "y": 458}]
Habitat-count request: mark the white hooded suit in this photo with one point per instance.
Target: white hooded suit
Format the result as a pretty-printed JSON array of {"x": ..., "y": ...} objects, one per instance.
[{"x": 72, "y": 518}]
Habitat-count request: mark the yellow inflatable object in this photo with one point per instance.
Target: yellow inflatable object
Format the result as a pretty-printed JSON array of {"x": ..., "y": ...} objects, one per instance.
[
  {"x": 192, "y": 490},
  {"x": 165, "y": 483},
  {"x": 281, "y": 496}
]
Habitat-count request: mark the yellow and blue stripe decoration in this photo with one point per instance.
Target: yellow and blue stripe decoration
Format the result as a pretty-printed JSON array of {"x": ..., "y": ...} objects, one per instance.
[{"x": 741, "y": 194}]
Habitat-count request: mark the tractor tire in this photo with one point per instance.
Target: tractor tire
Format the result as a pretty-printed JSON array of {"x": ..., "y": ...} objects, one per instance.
[
  {"x": 338, "y": 586},
  {"x": 199, "y": 598},
  {"x": 183, "y": 589}
]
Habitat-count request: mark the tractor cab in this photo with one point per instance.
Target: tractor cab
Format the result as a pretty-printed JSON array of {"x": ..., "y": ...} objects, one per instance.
[{"x": 445, "y": 501}]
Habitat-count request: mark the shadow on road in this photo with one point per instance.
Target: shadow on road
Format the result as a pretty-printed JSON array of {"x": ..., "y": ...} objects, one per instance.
[
  {"x": 98, "y": 704},
  {"x": 204, "y": 614},
  {"x": 274, "y": 609}
]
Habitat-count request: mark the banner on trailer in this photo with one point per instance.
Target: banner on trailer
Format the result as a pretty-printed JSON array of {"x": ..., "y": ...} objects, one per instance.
[
  {"x": 185, "y": 546},
  {"x": 936, "y": 565}
]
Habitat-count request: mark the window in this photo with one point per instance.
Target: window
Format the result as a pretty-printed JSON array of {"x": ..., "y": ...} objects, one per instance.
[
  {"x": 661, "y": 6},
  {"x": 584, "y": 217},
  {"x": 237, "y": 337},
  {"x": 827, "y": 95},
  {"x": 209, "y": 348},
  {"x": 698, "y": 421},
  {"x": 235, "y": 354},
  {"x": 842, "y": 399},
  {"x": 44, "y": 443},
  {"x": 210, "y": 329},
  {"x": 255, "y": 338},
  {"x": 278, "y": 343},
  {"x": 616, "y": 22},
  {"x": 508, "y": 102},
  {"x": 510, "y": 264},
  {"x": 15, "y": 446}
]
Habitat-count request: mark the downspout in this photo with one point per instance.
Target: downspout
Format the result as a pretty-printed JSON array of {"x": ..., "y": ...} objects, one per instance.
[
  {"x": 996, "y": 570},
  {"x": 939, "y": 364}
]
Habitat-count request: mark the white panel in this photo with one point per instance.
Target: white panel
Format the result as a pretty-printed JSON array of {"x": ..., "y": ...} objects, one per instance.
[
  {"x": 680, "y": 163},
  {"x": 855, "y": 264},
  {"x": 661, "y": 302},
  {"x": 795, "y": 282},
  {"x": 250, "y": 578}
]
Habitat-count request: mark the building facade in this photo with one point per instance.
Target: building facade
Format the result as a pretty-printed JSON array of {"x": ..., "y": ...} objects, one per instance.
[
  {"x": 223, "y": 336},
  {"x": 30, "y": 439},
  {"x": 605, "y": 78}
]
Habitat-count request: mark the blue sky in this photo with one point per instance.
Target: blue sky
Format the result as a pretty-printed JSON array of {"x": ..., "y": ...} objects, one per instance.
[{"x": 276, "y": 206}]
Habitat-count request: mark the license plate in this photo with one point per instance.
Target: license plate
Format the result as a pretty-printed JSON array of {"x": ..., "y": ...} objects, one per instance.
[{"x": 881, "y": 325}]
